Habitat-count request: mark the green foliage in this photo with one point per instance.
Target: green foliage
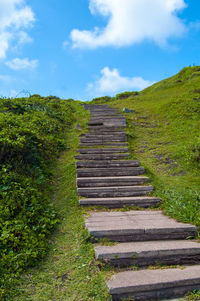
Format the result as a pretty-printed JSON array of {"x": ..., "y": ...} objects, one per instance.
[
  {"x": 101, "y": 100},
  {"x": 125, "y": 95},
  {"x": 32, "y": 134}
]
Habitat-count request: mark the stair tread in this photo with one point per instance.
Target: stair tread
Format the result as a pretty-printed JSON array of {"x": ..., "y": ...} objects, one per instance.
[
  {"x": 148, "y": 249},
  {"x": 142, "y": 225},
  {"x": 149, "y": 280}
]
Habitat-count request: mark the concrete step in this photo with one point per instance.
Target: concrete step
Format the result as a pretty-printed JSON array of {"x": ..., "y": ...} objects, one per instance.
[
  {"x": 103, "y": 132},
  {"x": 120, "y": 202},
  {"x": 169, "y": 252},
  {"x": 106, "y": 139},
  {"x": 113, "y": 172},
  {"x": 154, "y": 284},
  {"x": 108, "y": 122},
  {"x": 137, "y": 226},
  {"x": 110, "y": 181},
  {"x": 105, "y": 128},
  {"x": 110, "y": 150},
  {"x": 101, "y": 156},
  {"x": 103, "y": 143},
  {"x": 104, "y": 135},
  {"x": 107, "y": 163},
  {"x": 117, "y": 191}
]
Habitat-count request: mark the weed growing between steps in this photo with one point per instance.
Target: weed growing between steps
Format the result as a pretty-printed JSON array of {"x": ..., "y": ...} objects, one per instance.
[{"x": 70, "y": 271}]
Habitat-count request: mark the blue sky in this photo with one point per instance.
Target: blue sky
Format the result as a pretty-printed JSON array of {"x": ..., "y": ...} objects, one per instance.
[{"x": 89, "y": 48}]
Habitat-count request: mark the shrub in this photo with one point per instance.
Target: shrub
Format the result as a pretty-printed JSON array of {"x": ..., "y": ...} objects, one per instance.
[
  {"x": 32, "y": 132},
  {"x": 125, "y": 95}
]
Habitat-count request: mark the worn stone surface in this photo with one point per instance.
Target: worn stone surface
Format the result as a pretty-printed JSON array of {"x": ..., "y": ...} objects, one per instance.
[
  {"x": 149, "y": 253},
  {"x": 103, "y": 150},
  {"x": 101, "y": 143},
  {"x": 115, "y": 191},
  {"x": 100, "y": 156},
  {"x": 120, "y": 202},
  {"x": 154, "y": 284},
  {"x": 107, "y": 163},
  {"x": 111, "y": 181},
  {"x": 137, "y": 226},
  {"x": 112, "y": 171}
]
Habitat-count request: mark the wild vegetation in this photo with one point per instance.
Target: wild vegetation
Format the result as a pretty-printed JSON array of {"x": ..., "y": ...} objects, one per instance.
[{"x": 32, "y": 134}]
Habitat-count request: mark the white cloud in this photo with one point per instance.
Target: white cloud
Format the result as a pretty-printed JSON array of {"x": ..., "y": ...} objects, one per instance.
[
  {"x": 132, "y": 21},
  {"x": 15, "y": 15},
  {"x": 21, "y": 64},
  {"x": 112, "y": 82}
]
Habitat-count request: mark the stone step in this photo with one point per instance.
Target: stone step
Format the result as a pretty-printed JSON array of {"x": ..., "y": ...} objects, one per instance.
[
  {"x": 110, "y": 181},
  {"x": 137, "y": 226},
  {"x": 103, "y": 132},
  {"x": 120, "y": 202},
  {"x": 154, "y": 284},
  {"x": 106, "y": 139},
  {"x": 117, "y": 191},
  {"x": 113, "y": 171},
  {"x": 108, "y": 122},
  {"x": 105, "y": 128},
  {"x": 110, "y": 150},
  {"x": 173, "y": 252},
  {"x": 110, "y": 144},
  {"x": 107, "y": 163},
  {"x": 104, "y": 135},
  {"x": 108, "y": 156},
  {"x": 107, "y": 118},
  {"x": 105, "y": 114}
]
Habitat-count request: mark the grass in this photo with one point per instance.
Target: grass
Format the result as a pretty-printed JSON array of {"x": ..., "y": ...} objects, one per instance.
[
  {"x": 69, "y": 272},
  {"x": 163, "y": 133}
]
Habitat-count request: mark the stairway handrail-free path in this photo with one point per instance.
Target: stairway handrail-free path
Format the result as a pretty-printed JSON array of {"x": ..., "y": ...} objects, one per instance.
[{"x": 143, "y": 238}]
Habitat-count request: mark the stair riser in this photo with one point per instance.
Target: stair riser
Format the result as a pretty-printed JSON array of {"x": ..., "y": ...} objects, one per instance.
[
  {"x": 157, "y": 294},
  {"x": 144, "y": 237},
  {"x": 93, "y": 140},
  {"x": 117, "y": 123},
  {"x": 104, "y": 164},
  {"x": 108, "y": 184},
  {"x": 157, "y": 260},
  {"x": 108, "y": 135},
  {"x": 120, "y": 204},
  {"x": 106, "y": 144},
  {"x": 112, "y": 194},
  {"x": 108, "y": 129},
  {"x": 107, "y": 173},
  {"x": 101, "y": 156},
  {"x": 103, "y": 150}
]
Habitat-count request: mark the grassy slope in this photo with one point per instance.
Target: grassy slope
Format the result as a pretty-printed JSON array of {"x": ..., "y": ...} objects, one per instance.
[
  {"x": 69, "y": 272},
  {"x": 166, "y": 139}
]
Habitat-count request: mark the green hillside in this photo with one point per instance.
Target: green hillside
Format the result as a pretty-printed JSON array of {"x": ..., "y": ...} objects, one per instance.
[
  {"x": 164, "y": 134},
  {"x": 45, "y": 251}
]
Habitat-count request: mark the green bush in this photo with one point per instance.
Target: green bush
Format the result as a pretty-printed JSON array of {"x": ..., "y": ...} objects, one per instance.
[
  {"x": 125, "y": 95},
  {"x": 32, "y": 134}
]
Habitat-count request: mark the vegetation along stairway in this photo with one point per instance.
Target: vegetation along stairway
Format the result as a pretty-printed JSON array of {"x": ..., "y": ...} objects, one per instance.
[{"x": 106, "y": 177}]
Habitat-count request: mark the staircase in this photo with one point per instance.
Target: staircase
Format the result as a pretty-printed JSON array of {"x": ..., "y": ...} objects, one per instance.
[{"x": 143, "y": 238}]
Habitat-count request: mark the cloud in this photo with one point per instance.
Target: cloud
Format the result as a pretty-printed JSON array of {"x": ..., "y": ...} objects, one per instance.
[
  {"x": 21, "y": 64},
  {"x": 15, "y": 15},
  {"x": 112, "y": 82},
  {"x": 132, "y": 21}
]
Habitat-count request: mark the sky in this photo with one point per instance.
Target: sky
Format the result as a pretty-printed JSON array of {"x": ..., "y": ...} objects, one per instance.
[{"x": 90, "y": 48}]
